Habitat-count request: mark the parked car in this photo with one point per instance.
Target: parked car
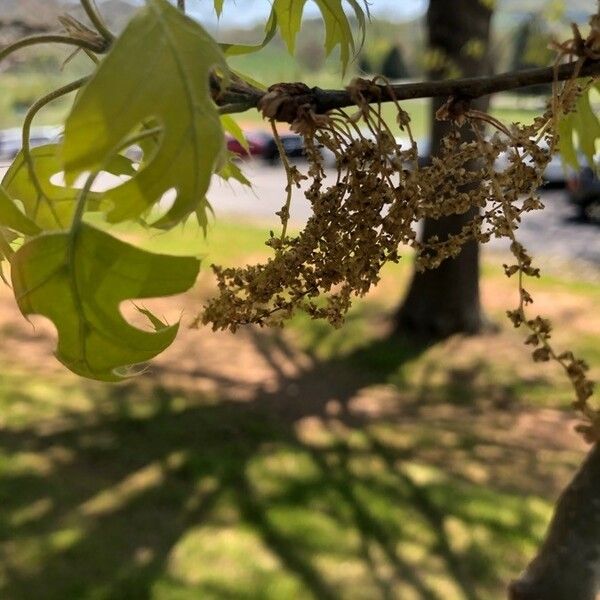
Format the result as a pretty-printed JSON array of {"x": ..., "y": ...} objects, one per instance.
[
  {"x": 584, "y": 194},
  {"x": 11, "y": 140},
  {"x": 292, "y": 143},
  {"x": 258, "y": 141}
]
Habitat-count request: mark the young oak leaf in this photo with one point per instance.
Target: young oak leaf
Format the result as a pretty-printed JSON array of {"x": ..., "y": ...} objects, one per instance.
[
  {"x": 240, "y": 49},
  {"x": 158, "y": 70},
  {"x": 79, "y": 279},
  {"x": 11, "y": 216},
  {"x": 218, "y": 7},
  {"x": 566, "y": 146},
  {"x": 578, "y": 132},
  {"x": 338, "y": 31},
  {"x": 54, "y": 207},
  {"x": 587, "y": 126},
  {"x": 13, "y": 225}
]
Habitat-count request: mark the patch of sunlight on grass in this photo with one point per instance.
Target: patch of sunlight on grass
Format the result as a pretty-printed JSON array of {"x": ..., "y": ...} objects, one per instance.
[
  {"x": 314, "y": 531},
  {"x": 232, "y": 559},
  {"x": 30, "y": 552},
  {"x": 279, "y": 471},
  {"x": 30, "y": 513},
  {"x": 348, "y": 575},
  {"x": 588, "y": 347},
  {"x": 25, "y": 399},
  {"x": 63, "y": 539},
  {"x": 124, "y": 492}
]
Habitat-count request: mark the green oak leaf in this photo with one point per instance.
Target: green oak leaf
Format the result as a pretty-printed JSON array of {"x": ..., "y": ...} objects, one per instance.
[
  {"x": 157, "y": 71},
  {"x": 232, "y": 128},
  {"x": 239, "y": 49},
  {"x": 566, "y": 146},
  {"x": 13, "y": 225},
  {"x": 6, "y": 251},
  {"x": 578, "y": 132},
  {"x": 156, "y": 323},
  {"x": 54, "y": 207},
  {"x": 231, "y": 170},
  {"x": 587, "y": 127},
  {"x": 338, "y": 31},
  {"x": 79, "y": 279},
  {"x": 218, "y": 6},
  {"x": 13, "y": 218}
]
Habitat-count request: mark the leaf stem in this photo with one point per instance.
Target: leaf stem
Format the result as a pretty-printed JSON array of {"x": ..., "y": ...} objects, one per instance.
[
  {"x": 81, "y": 201},
  {"x": 94, "y": 16},
  {"x": 31, "y": 113},
  {"x": 285, "y": 210},
  {"x": 52, "y": 38}
]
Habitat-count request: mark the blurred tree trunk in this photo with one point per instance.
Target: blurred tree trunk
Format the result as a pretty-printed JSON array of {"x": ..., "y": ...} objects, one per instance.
[
  {"x": 567, "y": 566},
  {"x": 444, "y": 301}
]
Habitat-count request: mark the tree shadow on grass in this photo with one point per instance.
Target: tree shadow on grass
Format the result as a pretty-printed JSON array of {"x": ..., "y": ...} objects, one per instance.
[{"x": 333, "y": 484}]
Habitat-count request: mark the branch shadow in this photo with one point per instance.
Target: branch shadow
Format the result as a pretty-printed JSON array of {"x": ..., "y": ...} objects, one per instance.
[{"x": 330, "y": 487}]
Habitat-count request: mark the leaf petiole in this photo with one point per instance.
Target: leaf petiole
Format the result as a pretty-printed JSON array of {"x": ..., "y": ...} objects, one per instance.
[
  {"x": 94, "y": 16},
  {"x": 31, "y": 113},
  {"x": 53, "y": 38}
]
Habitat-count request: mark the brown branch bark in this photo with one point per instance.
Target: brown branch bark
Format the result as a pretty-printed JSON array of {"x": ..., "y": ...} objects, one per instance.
[
  {"x": 567, "y": 566},
  {"x": 239, "y": 99}
]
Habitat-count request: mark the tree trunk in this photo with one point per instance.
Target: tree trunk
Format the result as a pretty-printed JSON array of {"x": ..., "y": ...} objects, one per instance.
[
  {"x": 567, "y": 566},
  {"x": 446, "y": 300}
]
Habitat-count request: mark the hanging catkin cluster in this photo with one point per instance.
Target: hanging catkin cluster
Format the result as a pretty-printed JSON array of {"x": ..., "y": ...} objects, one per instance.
[
  {"x": 372, "y": 211},
  {"x": 380, "y": 195}
]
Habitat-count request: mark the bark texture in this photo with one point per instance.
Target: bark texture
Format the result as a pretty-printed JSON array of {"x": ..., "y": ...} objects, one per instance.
[
  {"x": 446, "y": 300},
  {"x": 567, "y": 566}
]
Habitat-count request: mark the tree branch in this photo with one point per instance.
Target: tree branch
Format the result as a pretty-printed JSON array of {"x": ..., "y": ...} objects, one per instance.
[{"x": 321, "y": 101}]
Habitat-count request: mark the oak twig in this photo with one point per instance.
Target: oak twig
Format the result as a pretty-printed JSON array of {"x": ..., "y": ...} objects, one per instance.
[{"x": 468, "y": 88}]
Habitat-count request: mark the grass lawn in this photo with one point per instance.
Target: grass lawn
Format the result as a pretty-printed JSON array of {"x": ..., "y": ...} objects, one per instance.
[
  {"x": 308, "y": 463},
  {"x": 21, "y": 90}
]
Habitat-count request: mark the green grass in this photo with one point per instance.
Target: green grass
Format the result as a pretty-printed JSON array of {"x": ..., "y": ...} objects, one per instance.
[
  {"x": 204, "y": 500},
  {"x": 358, "y": 467},
  {"x": 224, "y": 241},
  {"x": 21, "y": 90}
]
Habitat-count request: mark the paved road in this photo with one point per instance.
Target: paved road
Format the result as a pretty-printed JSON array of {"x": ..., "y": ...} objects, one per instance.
[
  {"x": 555, "y": 240},
  {"x": 558, "y": 241},
  {"x": 551, "y": 235}
]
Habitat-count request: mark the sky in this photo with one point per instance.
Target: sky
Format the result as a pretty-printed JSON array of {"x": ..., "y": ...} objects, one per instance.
[{"x": 244, "y": 13}]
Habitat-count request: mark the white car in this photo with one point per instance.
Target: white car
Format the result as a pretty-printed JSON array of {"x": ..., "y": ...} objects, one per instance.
[{"x": 11, "y": 140}]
